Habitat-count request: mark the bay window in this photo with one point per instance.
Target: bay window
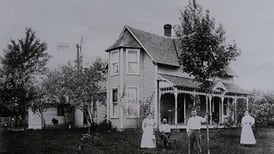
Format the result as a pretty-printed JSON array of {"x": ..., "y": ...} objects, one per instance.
[
  {"x": 114, "y": 103},
  {"x": 114, "y": 62},
  {"x": 133, "y": 61},
  {"x": 132, "y": 102}
]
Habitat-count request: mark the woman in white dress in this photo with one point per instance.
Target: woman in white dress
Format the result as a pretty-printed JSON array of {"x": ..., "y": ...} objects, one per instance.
[
  {"x": 148, "y": 137},
  {"x": 247, "y": 136}
]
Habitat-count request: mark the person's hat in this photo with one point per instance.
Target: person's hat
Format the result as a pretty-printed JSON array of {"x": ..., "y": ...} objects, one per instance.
[
  {"x": 164, "y": 120},
  {"x": 194, "y": 112}
]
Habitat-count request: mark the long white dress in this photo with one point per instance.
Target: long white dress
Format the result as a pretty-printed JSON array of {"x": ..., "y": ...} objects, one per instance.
[
  {"x": 247, "y": 136},
  {"x": 148, "y": 137}
]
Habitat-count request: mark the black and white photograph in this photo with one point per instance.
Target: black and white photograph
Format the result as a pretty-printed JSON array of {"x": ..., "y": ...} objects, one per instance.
[{"x": 136, "y": 77}]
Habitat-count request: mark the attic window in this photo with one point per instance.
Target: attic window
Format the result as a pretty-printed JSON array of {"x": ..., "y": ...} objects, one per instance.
[
  {"x": 114, "y": 62},
  {"x": 133, "y": 61}
]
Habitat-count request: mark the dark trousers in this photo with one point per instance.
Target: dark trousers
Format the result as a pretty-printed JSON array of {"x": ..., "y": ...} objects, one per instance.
[
  {"x": 194, "y": 138},
  {"x": 164, "y": 137}
]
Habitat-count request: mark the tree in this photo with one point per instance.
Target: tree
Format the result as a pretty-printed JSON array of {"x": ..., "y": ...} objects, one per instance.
[
  {"x": 23, "y": 61},
  {"x": 41, "y": 103},
  {"x": 77, "y": 86},
  {"x": 204, "y": 53}
]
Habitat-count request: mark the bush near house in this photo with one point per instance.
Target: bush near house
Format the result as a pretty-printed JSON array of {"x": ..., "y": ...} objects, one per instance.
[{"x": 262, "y": 108}]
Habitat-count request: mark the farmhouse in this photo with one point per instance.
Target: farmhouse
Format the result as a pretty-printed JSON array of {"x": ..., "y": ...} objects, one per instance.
[{"x": 144, "y": 71}]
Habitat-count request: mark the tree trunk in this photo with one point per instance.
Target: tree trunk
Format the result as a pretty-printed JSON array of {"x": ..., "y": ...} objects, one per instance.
[
  {"x": 89, "y": 119},
  {"x": 24, "y": 118},
  {"x": 43, "y": 121}
]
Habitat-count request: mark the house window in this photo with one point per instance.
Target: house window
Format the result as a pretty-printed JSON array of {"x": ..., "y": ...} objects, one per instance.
[
  {"x": 133, "y": 61},
  {"x": 114, "y": 102},
  {"x": 132, "y": 102},
  {"x": 114, "y": 62},
  {"x": 60, "y": 110}
]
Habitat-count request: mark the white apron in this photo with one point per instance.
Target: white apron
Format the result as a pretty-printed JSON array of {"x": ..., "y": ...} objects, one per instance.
[
  {"x": 247, "y": 136},
  {"x": 148, "y": 137}
]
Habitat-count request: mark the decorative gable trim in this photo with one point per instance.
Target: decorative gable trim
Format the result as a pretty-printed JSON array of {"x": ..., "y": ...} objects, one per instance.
[{"x": 220, "y": 87}]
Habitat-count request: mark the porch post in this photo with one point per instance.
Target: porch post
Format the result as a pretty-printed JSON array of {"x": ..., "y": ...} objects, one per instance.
[
  {"x": 158, "y": 96},
  {"x": 210, "y": 112},
  {"x": 246, "y": 103},
  {"x": 222, "y": 108},
  {"x": 228, "y": 108},
  {"x": 235, "y": 112},
  {"x": 176, "y": 105},
  {"x": 184, "y": 109}
]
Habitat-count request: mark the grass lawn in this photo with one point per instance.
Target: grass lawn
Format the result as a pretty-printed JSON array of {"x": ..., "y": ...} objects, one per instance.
[{"x": 225, "y": 141}]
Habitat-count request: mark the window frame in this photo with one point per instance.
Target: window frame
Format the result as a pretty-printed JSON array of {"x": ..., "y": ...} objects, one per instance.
[
  {"x": 138, "y": 103},
  {"x": 138, "y": 61},
  {"x": 112, "y": 62},
  {"x": 112, "y": 115}
]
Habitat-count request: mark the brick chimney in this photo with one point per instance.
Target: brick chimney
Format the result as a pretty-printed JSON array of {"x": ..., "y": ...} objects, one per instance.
[{"x": 167, "y": 30}]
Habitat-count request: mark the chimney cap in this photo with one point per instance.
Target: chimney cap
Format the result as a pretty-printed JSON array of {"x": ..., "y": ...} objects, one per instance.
[
  {"x": 167, "y": 26},
  {"x": 167, "y": 30}
]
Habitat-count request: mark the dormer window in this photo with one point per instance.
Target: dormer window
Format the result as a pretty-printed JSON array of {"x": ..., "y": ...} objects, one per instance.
[
  {"x": 133, "y": 61},
  {"x": 114, "y": 55}
]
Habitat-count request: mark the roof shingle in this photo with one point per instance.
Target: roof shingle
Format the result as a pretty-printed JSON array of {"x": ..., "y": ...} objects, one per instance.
[
  {"x": 125, "y": 40},
  {"x": 162, "y": 49}
]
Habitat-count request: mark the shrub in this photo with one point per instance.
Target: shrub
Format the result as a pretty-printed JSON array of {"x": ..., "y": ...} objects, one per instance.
[
  {"x": 54, "y": 121},
  {"x": 104, "y": 126}
]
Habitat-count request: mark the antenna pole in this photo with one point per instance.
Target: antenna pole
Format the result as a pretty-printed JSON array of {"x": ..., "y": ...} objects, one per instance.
[{"x": 78, "y": 48}]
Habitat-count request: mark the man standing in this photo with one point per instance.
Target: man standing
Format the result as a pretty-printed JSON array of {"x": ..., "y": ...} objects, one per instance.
[
  {"x": 164, "y": 132},
  {"x": 194, "y": 125}
]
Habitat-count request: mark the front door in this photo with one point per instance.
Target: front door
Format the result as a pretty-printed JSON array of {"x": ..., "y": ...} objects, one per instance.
[{"x": 215, "y": 110}]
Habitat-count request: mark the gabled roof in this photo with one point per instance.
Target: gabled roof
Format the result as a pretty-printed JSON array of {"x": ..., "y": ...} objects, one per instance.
[
  {"x": 125, "y": 40},
  {"x": 161, "y": 49},
  {"x": 219, "y": 85}
]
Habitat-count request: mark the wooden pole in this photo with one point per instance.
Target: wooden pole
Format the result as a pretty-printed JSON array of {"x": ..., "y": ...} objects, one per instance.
[{"x": 207, "y": 128}]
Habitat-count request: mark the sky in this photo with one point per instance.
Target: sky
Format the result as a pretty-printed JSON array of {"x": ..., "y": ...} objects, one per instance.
[{"x": 99, "y": 23}]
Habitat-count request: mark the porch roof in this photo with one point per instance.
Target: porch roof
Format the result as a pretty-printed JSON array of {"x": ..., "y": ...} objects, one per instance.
[
  {"x": 232, "y": 88},
  {"x": 181, "y": 81},
  {"x": 189, "y": 83}
]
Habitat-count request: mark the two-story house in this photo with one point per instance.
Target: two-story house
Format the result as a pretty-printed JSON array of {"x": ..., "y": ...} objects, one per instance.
[{"x": 144, "y": 67}]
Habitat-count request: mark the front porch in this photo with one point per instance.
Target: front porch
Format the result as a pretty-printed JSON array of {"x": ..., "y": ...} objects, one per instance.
[{"x": 176, "y": 101}]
